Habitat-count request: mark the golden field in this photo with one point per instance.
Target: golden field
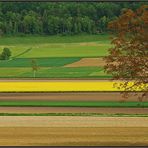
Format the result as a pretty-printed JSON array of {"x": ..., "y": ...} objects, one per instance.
[{"x": 57, "y": 86}]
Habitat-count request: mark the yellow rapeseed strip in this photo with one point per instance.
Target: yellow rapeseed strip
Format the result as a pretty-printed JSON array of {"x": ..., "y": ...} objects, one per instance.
[{"x": 57, "y": 86}]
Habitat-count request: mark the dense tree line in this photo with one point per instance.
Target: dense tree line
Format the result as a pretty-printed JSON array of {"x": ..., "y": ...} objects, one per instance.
[{"x": 59, "y": 17}]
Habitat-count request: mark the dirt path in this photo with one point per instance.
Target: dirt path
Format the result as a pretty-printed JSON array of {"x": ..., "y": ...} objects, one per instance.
[
  {"x": 73, "y": 110},
  {"x": 94, "y": 96}
]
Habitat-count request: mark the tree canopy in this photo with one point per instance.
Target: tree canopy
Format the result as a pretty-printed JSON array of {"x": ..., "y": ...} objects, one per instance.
[
  {"x": 51, "y": 18},
  {"x": 128, "y": 58},
  {"x": 5, "y": 55}
]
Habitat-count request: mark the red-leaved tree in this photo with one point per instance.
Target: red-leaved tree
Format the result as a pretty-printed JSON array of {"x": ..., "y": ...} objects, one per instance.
[{"x": 128, "y": 58}]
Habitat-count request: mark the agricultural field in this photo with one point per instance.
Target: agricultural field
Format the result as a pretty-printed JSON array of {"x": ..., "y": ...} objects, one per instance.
[
  {"x": 57, "y": 86},
  {"x": 78, "y": 56},
  {"x": 81, "y": 112},
  {"x": 71, "y": 123},
  {"x": 54, "y": 89},
  {"x": 72, "y": 104},
  {"x": 65, "y": 112},
  {"x": 73, "y": 131}
]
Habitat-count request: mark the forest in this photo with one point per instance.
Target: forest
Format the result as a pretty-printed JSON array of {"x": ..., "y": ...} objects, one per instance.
[{"x": 64, "y": 18}]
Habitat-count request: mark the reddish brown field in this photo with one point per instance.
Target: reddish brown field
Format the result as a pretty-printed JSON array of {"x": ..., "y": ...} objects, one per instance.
[
  {"x": 99, "y": 62},
  {"x": 100, "y": 96},
  {"x": 85, "y": 96}
]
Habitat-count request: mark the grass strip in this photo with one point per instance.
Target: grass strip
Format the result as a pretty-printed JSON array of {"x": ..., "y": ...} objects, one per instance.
[
  {"x": 72, "y": 104},
  {"x": 41, "y": 62},
  {"x": 74, "y": 114},
  {"x": 21, "y": 53}
]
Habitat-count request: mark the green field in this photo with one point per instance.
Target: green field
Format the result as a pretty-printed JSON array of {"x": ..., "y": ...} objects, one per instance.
[
  {"x": 57, "y": 72},
  {"x": 72, "y": 104},
  {"x": 51, "y": 54},
  {"x": 29, "y": 39},
  {"x": 57, "y": 46},
  {"x": 74, "y": 114},
  {"x": 41, "y": 62}
]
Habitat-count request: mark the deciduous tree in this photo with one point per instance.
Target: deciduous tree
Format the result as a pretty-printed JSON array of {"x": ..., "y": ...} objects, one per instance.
[
  {"x": 5, "y": 55},
  {"x": 128, "y": 58},
  {"x": 34, "y": 67}
]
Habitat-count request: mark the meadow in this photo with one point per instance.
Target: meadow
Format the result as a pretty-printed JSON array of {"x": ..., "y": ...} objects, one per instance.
[
  {"x": 72, "y": 104},
  {"x": 52, "y": 54},
  {"x": 54, "y": 72}
]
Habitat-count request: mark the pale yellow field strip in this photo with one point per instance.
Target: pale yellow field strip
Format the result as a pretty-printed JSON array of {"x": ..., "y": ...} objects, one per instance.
[
  {"x": 55, "y": 86},
  {"x": 72, "y": 121}
]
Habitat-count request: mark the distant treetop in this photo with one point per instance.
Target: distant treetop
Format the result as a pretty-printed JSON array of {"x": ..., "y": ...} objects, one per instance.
[{"x": 51, "y": 18}]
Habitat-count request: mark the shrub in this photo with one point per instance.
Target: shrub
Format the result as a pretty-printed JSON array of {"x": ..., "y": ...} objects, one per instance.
[{"x": 5, "y": 55}]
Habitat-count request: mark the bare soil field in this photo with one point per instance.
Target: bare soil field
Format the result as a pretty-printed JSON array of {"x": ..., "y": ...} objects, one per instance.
[
  {"x": 90, "y": 96},
  {"x": 73, "y": 131},
  {"x": 100, "y": 96},
  {"x": 45, "y": 136},
  {"x": 73, "y": 110},
  {"x": 99, "y": 62},
  {"x": 72, "y": 121}
]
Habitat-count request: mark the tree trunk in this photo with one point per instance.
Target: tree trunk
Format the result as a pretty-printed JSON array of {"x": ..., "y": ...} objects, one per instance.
[{"x": 34, "y": 72}]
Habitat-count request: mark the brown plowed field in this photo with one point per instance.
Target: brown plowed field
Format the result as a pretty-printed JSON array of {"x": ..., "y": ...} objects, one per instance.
[
  {"x": 44, "y": 136},
  {"x": 67, "y": 97},
  {"x": 73, "y": 110},
  {"x": 99, "y": 62},
  {"x": 73, "y": 131},
  {"x": 94, "y": 96}
]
